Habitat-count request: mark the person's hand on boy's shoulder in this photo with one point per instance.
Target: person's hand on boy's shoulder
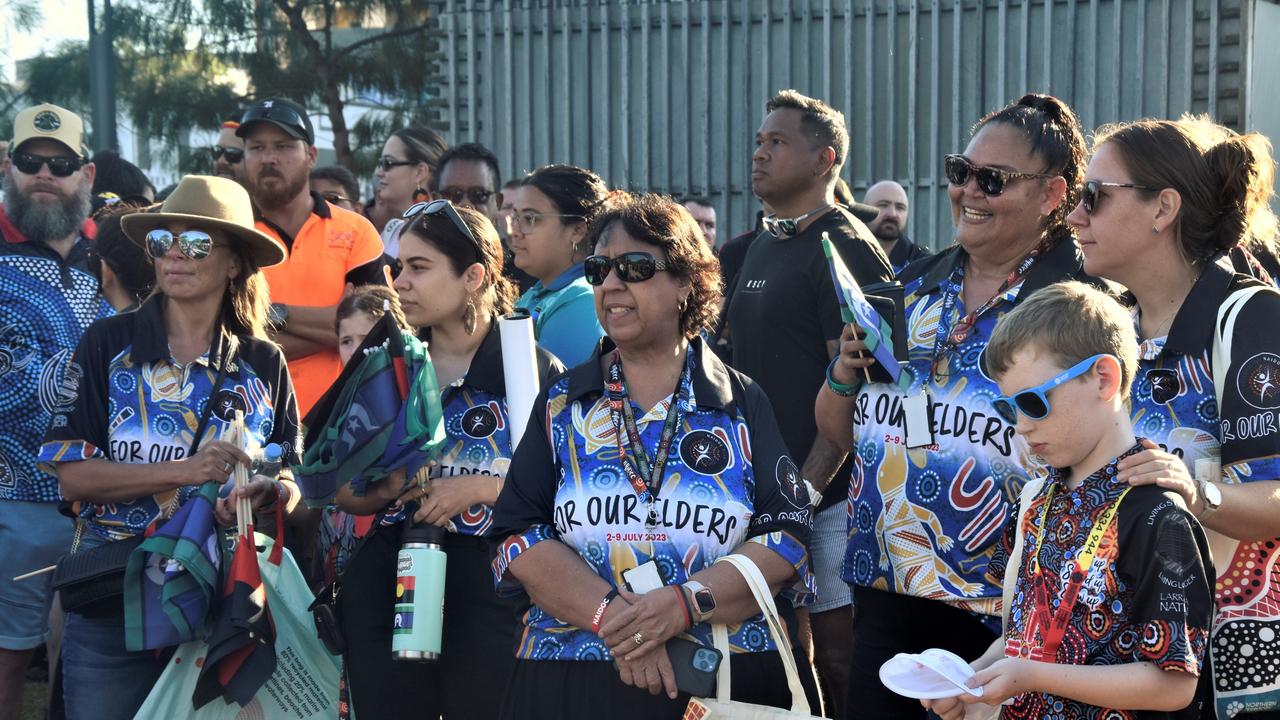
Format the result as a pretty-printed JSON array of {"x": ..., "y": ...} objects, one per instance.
[{"x": 1154, "y": 466}]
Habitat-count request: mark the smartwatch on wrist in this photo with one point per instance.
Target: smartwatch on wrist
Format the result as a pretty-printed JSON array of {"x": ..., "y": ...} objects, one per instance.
[{"x": 704, "y": 603}]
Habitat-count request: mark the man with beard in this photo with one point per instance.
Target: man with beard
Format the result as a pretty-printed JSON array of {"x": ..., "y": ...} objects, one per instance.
[
  {"x": 890, "y": 226},
  {"x": 329, "y": 248},
  {"x": 47, "y": 299},
  {"x": 228, "y": 153}
]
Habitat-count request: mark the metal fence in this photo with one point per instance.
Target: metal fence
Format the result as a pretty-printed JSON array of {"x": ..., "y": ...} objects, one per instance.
[{"x": 666, "y": 95}]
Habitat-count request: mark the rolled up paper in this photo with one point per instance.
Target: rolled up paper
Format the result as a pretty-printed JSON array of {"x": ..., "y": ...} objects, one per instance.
[{"x": 519, "y": 369}]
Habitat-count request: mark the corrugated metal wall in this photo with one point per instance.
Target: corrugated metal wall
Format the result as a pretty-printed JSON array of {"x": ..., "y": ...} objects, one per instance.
[{"x": 666, "y": 95}]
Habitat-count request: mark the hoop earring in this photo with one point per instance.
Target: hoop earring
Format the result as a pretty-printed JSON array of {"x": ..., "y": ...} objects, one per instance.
[
  {"x": 469, "y": 318},
  {"x": 419, "y": 194}
]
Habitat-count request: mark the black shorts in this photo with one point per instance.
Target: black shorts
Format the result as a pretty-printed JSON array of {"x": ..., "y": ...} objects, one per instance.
[{"x": 477, "y": 649}]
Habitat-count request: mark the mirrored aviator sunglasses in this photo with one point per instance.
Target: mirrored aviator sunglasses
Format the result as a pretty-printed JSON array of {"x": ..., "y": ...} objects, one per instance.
[
  {"x": 1034, "y": 402},
  {"x": 631, "y": 267},
  {"x": 195, "y": 244}
]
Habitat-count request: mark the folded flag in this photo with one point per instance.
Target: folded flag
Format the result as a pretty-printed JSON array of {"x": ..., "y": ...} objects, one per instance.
[
  {"x": 172, "y": 578},
  {"x": 382, "y": 414},
  {"x": 855, "y": 309}
]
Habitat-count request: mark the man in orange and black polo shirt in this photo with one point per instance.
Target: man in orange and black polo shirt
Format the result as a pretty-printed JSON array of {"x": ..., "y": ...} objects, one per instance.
[{"x": 329, "y": 247}]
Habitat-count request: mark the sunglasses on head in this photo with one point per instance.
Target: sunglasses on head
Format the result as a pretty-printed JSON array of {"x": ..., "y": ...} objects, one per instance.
[
  {"x": 436, "y": 207},
  {"x": 195, "y": 244},
  {"x": 233, "y": 155},
  {"x": 1034, "y": 402},
  {"x": 387, "y": 163},
  {"x": 1091, "y": 193},
  {"x": 29, "y": 164},
  {"x": 477, "y": 196},
  {"x": 631, "y": 267},
  {"x": 991, "y": 181},
  {"x": 276, "y": 113}
]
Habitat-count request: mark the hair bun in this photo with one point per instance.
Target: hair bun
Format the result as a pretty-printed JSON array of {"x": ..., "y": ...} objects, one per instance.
[{"x": 1047, "y": 104}]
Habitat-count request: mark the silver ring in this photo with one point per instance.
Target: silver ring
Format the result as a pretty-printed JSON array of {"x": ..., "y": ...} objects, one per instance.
[
  {"x": 638, "y": 639},
  {"x": 226, "y": 467}
]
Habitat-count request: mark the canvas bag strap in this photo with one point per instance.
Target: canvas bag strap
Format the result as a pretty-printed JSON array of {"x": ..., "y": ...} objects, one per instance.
[
  {"x": 1014, "y": 565},
  {"x": 760, "y": 589}
]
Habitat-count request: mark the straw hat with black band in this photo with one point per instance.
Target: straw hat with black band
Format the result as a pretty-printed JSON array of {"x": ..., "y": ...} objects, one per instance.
[{"x": 209, "y": 203}]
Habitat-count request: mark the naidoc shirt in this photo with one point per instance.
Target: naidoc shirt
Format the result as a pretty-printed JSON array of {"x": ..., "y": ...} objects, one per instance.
[
  {"x": 1145, "y": 596},
  {"x": 922, "y": 521},
  {"x": 1175, "y": 405},
  {"x": 133, "y": 403},
  {"x": 477, "y": 430},
  {"x": 727, "y": 481},
  {"x": 46, "y": 302}
]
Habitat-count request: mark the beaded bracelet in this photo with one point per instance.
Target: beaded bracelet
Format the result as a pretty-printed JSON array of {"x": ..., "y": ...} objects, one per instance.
[{"x": 839, "y": 388}]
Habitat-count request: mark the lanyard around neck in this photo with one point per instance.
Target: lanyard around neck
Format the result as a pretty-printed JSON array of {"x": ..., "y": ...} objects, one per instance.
[{"x": 644, "y": 475}]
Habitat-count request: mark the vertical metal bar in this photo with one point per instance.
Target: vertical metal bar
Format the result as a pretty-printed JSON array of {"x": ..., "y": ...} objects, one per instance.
[
  {"x": 704, "y": 101},
  {"x": 787, "y": 58},
  {"x": 548, "y": 88},
  {"x": 1071, "y": 50},
  {"x": 591, "y": 126},
  {"x": 490, "y": 136},
  {"x": 1166, "y": 35},
  {"x": 509, "y": 85},
  {"x": 646, "y": 107},
  {"x": 957, "y": 90},
  {"x": 869, "y": 89},
  {"x": 686, "y": 106},
  {"x": 527, "y": 118},
  {"x": 1214, "y": 9},
  {"x": 935, "y": 52},
  {"x": 605, "y": 168},
  {"x": 1024, "y": 24},
  {"x": 827, "y": 52},
  {"x": 452, "y": 97},
  {"x": 766, "y": 48},
  {"x": 473, "y": 76},
  {"x": 1002, "y": 52},
  {"x": 891, "y": 96},
  {"x": 913, "y": 60},
  {"x": 666, "y": 140},
  {"x": 805, "y": 44},
  {"x": 1190, "y": 46},
  {"x": 860, "y": 146},
  {"x": 567, "y": 115},
  {"x": 1046, "y": 78},
  {"x": 1140, "y": 47},
  {"x": 726, "y": 52},
  {"x": 1117, "y": 66},
  {"x": 1091, "y": 89},
  {"x": 624, "y": 93}
]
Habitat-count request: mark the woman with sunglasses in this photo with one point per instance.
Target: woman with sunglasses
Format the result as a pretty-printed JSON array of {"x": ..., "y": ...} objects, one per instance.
[
  {"x": 1160, "y": 208},
  {"x": 404, "y": 175},
  {"x": 551, "y": 210},
  {"x": 644, "y": 465},
  {"x": 451, "y": 289},
  {"x": 141, "y": 429},
  {"x": 936, "y": 469}
]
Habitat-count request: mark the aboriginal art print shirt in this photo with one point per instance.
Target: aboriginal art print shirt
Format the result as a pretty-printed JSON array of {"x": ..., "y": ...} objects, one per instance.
[
  {"x": 923, "y": 521},
  {"x": 728, "y": 480},
  {"x": 1175, "y": 404},
  {"x": 1144, "y": 597},
  {"x": 477, "y": 430},
  {"x": 133, "y": 403},
  {"x": 46, "y": 302}
]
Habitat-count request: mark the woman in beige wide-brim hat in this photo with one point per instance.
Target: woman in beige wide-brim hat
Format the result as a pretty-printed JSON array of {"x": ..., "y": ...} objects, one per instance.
[{"x": 142, "y": 428}]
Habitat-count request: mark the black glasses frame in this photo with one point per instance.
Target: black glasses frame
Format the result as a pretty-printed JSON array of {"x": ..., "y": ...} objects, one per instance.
[
  {"x": 1091, "y": 192},
  {"x": 631, "y": 267},
  {"x": 387, "y": 163},
  {"x": 29, "y": 164},
  {"x": 477, "y": 196},
  {"x": 991, "y": 181},
  {"x": 233, "y": 155}
]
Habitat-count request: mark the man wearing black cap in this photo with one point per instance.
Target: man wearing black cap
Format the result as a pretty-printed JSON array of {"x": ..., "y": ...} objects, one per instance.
[
  {"x": 784, "y": 324},
  {"x": 329, "y": 247},
  {"x": 47, "y": 299}
]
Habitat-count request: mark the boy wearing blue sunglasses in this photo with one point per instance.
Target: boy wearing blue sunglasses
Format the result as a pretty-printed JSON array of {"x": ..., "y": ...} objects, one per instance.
[{"x": 1109, "y": 587}]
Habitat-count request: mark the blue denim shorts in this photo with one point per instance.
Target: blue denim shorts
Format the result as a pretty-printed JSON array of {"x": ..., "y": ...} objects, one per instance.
[{"x": 33, "y": 535}]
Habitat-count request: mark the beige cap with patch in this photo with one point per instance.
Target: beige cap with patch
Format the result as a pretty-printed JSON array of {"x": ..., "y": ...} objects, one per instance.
[{"x": 49, "y": 122}]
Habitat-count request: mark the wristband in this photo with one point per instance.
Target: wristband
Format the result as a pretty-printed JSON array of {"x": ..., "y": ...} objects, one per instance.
[
  {"x": 684, "y": 605},
  {"x": 839, "y": 388},
  {"x": 604, "y": 604}
]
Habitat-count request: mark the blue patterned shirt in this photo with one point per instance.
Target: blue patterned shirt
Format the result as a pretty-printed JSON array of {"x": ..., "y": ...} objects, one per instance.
[{"x": 727, "y": 481}]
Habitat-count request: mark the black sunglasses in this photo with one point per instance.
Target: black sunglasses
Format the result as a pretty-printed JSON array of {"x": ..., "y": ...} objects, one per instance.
[
  {"x": 195, "y": 244},
  {"x": 387, "y": 163},
  {"x": 436, "y": 207},
  {"x": 335, "y": 198},
  {"x": 991, "y": 181},
  {"x": 1091, "y": 193},
  {"x": 29, "y": 164},
  {"x": 477, "y": 196},
  {"x": 631, "y": 267},
  {"x": 276, "y": 113},
  {"x": 233, "y": 155}
]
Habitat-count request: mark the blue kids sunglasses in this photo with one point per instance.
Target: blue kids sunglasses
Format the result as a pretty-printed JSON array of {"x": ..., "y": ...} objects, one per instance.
[{"x": 1034, "y": 402}]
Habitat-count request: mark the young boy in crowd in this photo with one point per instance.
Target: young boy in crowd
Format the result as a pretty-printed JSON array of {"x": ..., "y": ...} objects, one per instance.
[{"x": 1112, "y": 593}]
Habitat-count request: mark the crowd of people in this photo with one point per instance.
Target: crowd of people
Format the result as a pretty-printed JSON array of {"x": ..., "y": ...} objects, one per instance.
[{"x": 1069, "y": 479}]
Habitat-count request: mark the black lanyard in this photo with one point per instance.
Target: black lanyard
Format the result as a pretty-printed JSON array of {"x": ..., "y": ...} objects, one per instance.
[{"x": 645, "y": 476}]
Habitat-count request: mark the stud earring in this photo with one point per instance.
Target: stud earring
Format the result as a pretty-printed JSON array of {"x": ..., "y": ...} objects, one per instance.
[{"x": 1155, "y": 231}]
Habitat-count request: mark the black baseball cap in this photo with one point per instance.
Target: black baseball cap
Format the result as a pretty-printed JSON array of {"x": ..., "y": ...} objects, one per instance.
[{"x": 281, "y": 112}]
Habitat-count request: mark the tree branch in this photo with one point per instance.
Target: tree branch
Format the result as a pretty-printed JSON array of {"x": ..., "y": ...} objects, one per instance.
[{"x": 365, "y": 42}]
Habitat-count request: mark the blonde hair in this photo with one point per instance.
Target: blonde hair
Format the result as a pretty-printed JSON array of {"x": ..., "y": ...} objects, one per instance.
[{"x": 1070, "y": 321}]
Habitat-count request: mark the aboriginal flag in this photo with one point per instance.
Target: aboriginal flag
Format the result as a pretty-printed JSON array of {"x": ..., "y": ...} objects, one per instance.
[
  {"x": 172, "y": 578},
  {"x": 382, "y": 414},
  {"x": 242, "y": 653}
]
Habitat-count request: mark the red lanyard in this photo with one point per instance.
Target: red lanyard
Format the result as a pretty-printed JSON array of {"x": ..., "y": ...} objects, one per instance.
[
  {"x": 1047, "y": 623},
  {"x": 645, "y": 477}
]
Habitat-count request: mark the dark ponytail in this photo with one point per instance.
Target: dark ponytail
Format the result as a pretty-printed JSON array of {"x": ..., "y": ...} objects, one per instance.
[{"x": 1054, "y": 136}]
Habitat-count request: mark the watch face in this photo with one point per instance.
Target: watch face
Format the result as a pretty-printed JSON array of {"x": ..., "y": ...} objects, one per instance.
[
  {"x": 1212, "y": 495},
  {"x": 705, "y": 600}
]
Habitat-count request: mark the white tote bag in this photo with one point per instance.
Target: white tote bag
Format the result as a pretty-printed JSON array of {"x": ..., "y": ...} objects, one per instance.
[{"x": 721, "y": 707}]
